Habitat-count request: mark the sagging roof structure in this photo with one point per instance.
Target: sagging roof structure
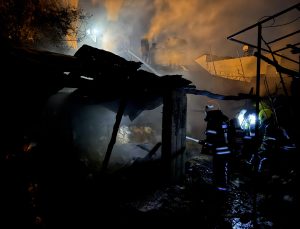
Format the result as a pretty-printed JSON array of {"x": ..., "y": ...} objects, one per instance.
[{"x": 32, "y": 76}]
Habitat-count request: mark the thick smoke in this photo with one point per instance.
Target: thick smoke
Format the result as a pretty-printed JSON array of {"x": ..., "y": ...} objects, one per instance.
[
  {"x": 183, "y": 29},
  {"x": 113, "y": 8}
]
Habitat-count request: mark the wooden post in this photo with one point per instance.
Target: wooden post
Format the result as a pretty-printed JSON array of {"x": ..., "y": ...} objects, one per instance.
[{"x": 174, "y": 134}]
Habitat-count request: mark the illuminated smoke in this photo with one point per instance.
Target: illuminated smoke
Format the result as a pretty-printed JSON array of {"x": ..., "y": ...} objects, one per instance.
[
  {"x": 113, "y": 8},
  {"x": 204, "y": 25},
  {"x": 182, "y": 29},
  {"x": 177, "y": 24}
]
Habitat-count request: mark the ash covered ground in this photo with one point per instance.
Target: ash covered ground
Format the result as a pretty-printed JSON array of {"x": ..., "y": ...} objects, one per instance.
[{"x": 138, "y": 197}]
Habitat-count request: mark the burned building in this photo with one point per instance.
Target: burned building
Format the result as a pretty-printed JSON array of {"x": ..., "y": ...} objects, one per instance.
[{"x": 48, "y": 133}]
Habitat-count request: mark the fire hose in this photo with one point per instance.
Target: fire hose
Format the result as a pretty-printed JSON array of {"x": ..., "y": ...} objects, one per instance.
[{"x": 201, "y": 142}]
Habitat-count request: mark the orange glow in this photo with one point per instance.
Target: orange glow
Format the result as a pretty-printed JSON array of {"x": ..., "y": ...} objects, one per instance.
[
  {"x": 107, "y": 42},
  {"x": 113, "y": 8},
  {"x": 70, "y": 3},
  {"x": 171, "y": 14},
  {"x": 174, "y": 19},
  {"x": 71, "y": 37},
  {"x": 72, "y": 40}
]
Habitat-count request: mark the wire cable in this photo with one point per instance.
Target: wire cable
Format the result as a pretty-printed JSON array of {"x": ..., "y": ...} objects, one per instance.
[{"x": 287, "y": 23}]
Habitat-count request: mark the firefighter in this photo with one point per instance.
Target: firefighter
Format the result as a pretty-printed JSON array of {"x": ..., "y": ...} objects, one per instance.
[
  {"x": 276, "y": 143},
  {"x": 216, "y": 143}
]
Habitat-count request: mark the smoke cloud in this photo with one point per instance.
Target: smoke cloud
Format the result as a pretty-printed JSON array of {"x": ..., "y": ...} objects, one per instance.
[
  {"x": 184, "y": 29},
  {"x": 113, "y": 8}
]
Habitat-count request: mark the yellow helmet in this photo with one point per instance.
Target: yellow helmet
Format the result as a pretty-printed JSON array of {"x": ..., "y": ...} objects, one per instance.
[{"x": 264, "y": 114}]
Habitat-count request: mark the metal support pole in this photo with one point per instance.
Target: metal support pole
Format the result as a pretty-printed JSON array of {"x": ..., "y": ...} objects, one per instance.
[
  {"x": 258, "y": 60},
  {"x": 259, "y": 38}
]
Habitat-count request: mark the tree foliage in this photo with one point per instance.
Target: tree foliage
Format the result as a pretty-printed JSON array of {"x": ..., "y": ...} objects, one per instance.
[{"x": 39, "y": 23}]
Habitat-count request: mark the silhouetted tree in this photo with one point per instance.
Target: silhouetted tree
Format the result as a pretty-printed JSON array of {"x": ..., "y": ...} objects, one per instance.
[{"x": 39, "y": 23}]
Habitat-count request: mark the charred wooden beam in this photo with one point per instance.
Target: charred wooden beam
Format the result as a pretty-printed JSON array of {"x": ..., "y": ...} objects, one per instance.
[
  {"x": 113, "y": 138},
  {"x": 174, "y": 134}
]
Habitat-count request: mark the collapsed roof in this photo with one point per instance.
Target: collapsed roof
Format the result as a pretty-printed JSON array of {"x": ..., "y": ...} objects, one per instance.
[{"x": 97, "y": 74}]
